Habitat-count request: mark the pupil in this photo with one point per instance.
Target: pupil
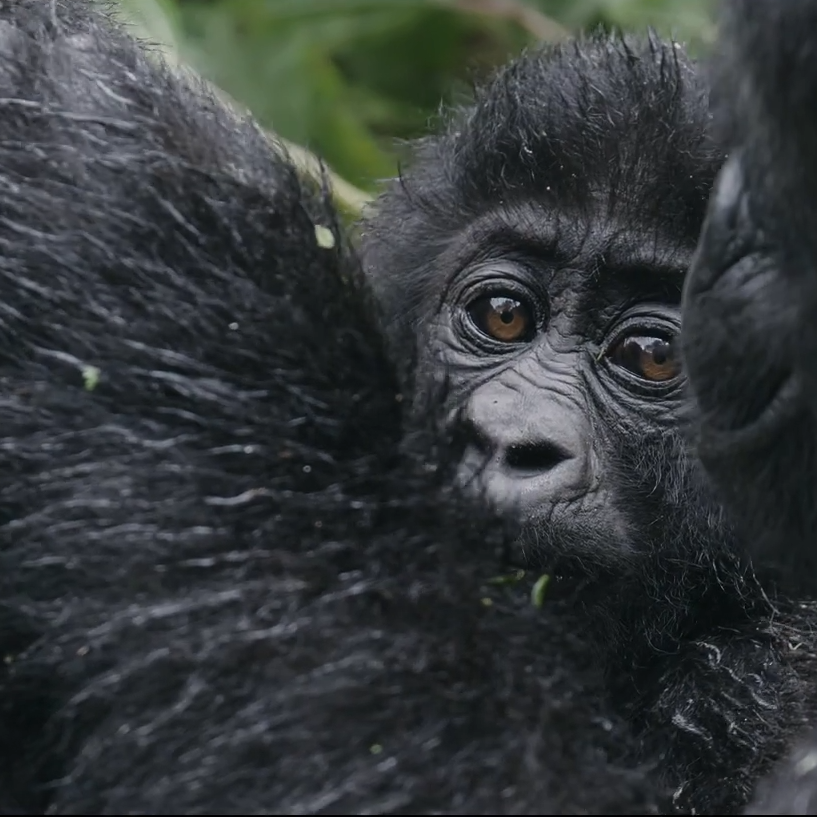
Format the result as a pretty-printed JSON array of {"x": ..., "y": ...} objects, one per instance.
[
  {"x": 506, "y": 317},
  {"x": 659, "y": 353}
]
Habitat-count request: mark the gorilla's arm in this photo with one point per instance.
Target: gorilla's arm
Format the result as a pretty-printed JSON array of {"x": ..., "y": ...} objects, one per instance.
[
  {"x": 750, "y": 335},
  {"x": 223, "y": 590}
]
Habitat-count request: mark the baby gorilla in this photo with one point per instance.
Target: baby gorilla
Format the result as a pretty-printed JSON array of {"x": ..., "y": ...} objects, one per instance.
[
  {"x": 534, "y": 255},
  {"x": 538, "y": 248},
  {"x": 225, "y": 589}
]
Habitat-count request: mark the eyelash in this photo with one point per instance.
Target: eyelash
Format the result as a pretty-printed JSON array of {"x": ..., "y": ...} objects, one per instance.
[{"x": 638, "y": 325}]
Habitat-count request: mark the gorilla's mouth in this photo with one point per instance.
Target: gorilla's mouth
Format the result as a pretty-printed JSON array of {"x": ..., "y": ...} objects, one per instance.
[{"x": 575, "y": 540}]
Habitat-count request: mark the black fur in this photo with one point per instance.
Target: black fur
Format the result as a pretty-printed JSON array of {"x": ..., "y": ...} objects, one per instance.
[
  {"x": 223, "y": 590},
  {"x": 233, "y": 581},
  {"x": 752, "y": 296},
  {"x": 750, "y": 301},
  {"x": 600, "y": 128},
  {"x": 612, "y": 135}
]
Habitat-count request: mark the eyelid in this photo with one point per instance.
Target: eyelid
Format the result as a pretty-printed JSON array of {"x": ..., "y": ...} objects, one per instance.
[
  {"x": 651, "y": 325},
  {"x": 506, "y": 285},
  {"x": 493, "y": 279},
  {"x": 511, "y": 268}
]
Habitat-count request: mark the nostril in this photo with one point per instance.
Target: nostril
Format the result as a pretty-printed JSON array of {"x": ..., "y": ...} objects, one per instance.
[{"x": 539, "y": 456}]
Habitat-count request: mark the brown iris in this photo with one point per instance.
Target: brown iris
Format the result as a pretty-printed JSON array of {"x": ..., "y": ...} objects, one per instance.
[
  {"x": 647, "y": 357},
  {"x": 503, "y": 318}
]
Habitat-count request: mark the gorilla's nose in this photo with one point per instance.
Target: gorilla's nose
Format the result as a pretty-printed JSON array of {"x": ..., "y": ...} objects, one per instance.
[{"x": 525, "y": 462}]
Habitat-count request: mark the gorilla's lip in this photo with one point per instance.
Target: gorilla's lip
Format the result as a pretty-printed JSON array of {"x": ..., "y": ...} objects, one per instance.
[{"x": 590, "y": 542}]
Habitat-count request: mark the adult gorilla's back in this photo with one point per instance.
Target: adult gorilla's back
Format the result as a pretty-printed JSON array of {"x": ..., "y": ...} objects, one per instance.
[{"x": 223, "y": 590}]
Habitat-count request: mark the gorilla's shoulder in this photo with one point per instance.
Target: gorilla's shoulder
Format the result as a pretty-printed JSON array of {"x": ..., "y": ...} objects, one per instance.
[{"x": 231, "y": 579}]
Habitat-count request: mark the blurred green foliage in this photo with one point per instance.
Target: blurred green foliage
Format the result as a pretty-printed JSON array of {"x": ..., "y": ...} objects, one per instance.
[{"x": 348, "y": 79}]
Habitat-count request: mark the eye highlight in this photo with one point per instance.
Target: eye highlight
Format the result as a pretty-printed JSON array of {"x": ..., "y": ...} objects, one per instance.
[
  {"x": 503, "y": 317},
  {"x": 650, "y": 358}
]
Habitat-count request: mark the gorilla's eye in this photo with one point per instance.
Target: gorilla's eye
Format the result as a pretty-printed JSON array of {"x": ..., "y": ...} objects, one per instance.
[
  {"x": 503, "y": 318},
  {"x": 647, "y": 357}
]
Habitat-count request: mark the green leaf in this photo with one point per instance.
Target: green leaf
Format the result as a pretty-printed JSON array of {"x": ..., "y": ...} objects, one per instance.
[{"x": 537, "y": 593}]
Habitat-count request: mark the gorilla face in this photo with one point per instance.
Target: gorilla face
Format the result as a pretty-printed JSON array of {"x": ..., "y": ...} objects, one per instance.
[
  {"x": 553, "y": 365},
  {"x": 539, "y": 259}
]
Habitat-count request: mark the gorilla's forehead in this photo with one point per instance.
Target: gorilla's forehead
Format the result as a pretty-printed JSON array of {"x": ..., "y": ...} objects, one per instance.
[
  {"x": 598, "y": 239},
  {"x": 626, "y": 120}
]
